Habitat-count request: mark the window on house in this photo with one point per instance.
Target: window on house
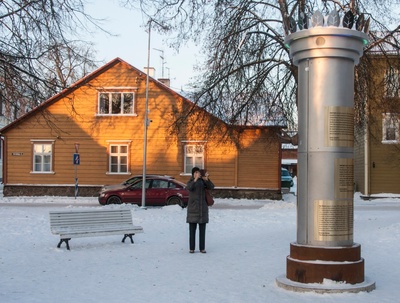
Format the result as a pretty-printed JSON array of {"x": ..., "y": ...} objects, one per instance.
[
  {"x": 42, "y": 157},
  {"x": 116, "y": 103},
  {"x": 392, "y": 82},
  {"x": 119, "y": 158},
  {"x": 194, "y": 156},
  {"x": 390, "y": 128}
]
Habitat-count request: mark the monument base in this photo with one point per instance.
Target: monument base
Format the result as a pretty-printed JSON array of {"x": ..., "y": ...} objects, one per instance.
[
  {"x": 326, "y": 287},
  {"x": 313, "y": 264},
  {"x": 325, "y": 269}
]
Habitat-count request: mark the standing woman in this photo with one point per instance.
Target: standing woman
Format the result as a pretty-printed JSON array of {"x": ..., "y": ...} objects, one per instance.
[{"x": 197, "y": 209}]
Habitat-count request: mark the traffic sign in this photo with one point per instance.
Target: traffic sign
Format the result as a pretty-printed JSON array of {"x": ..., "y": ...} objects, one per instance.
[{"x": 77, "y": 159}]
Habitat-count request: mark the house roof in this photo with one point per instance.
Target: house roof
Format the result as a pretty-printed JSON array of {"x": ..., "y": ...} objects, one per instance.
[
  {"x": 83, "y": 81},
  {"x": 384, "y": 43}
]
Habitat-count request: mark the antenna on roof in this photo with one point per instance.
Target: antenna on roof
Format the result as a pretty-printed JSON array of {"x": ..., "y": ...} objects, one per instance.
[{"x": 162, "y": 60}]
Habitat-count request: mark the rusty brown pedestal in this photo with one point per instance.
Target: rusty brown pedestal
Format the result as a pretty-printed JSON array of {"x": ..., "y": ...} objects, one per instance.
[{"x": 310, "y": 264}]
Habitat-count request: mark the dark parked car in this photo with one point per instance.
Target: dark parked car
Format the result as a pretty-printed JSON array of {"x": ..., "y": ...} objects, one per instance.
[
  {"x": 286, "y": 178},
  {"x": 131, "y": 180},
  {"x": 159, "y": 191}
]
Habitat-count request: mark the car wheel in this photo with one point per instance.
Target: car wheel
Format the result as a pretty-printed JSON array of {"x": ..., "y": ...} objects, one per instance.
[
  {"x": 114, "y": 200},
  {"x": 175, "y": 201}
]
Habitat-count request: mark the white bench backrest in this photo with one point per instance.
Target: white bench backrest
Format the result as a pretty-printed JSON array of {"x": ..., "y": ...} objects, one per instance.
[{"x": 71, "y": 218}]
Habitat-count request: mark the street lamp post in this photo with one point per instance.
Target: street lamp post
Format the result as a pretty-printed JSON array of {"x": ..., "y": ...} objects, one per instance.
[{"x": 146, "y": 122}]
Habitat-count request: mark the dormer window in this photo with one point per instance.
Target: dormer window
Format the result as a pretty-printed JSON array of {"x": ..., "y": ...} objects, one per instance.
[{"x": 116, "y": 103}]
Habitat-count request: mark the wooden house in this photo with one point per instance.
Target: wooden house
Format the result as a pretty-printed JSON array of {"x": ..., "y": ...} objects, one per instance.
[
  {"x": 92, "y": 134},
  {"x": 377, "y": 131}
]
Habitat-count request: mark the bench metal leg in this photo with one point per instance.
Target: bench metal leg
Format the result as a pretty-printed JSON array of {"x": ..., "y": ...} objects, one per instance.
[
  {"x": 66, "y": 242},
  {"x": 128, "y": 236}
]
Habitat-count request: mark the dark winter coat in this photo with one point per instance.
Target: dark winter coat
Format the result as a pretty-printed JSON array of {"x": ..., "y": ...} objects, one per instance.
[{"x": 197, "y": 209}]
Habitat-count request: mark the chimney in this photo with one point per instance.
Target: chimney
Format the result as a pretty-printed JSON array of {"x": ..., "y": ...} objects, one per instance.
[
  {"x": 152, "y": 71},
  {"x": 165, "y": 81}
]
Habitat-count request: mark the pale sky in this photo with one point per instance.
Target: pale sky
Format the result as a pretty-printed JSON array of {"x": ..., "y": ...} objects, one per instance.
[{"x": 131, "y": 44}]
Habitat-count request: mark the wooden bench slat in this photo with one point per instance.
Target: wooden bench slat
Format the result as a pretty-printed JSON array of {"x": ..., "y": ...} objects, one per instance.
[
  {"x": 76, "y": 223},
  {"x": 95, "y": 229},
  {"x": 82, "y": 234}
]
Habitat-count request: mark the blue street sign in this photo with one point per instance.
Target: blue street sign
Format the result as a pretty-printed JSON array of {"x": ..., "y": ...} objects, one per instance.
[{"x": 77, "y": 159}]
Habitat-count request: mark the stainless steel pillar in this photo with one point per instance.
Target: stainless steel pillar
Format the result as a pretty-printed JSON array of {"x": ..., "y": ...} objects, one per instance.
[{"x": 325, "y": 57}]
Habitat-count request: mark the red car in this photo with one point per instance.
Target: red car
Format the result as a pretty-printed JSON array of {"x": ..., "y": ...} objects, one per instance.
[
  {"x": 159, "y": 191},
  {"x": 131, "y": 180}
]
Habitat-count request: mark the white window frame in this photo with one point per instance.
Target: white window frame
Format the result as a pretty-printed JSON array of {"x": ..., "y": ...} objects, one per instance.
[
  {"x": 122, "y": 91},
  {"x": 119, "y": 156},
  {"x": 47, "y": 150},
  {"x": 196, "y": 152},
  {"x": 390, "y": 121},
  {"x": 392, "y": 82}
]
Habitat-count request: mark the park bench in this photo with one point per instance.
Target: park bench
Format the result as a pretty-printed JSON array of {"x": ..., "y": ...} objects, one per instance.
[{"x": 90, "y": 223}]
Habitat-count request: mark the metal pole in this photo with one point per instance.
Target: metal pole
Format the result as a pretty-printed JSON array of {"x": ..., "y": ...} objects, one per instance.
[
  {"x": 76, "y": 181},
  {"x": 146, "y": 122},
  {"x": 76, "y": 163},
  {"x": 162, "y": 61}
]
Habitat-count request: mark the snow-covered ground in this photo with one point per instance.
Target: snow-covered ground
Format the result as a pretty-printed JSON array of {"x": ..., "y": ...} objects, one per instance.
[{"x": 247, "y": 244}]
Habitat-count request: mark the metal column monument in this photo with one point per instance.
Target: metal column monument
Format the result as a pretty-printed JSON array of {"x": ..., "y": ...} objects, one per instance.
[{"x": 325, "y": 55}]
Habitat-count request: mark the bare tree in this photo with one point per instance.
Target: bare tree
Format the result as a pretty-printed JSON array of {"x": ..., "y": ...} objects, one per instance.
[
  {"x": 248, "y": 77},
  {"x": 39, "y": 53}
]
